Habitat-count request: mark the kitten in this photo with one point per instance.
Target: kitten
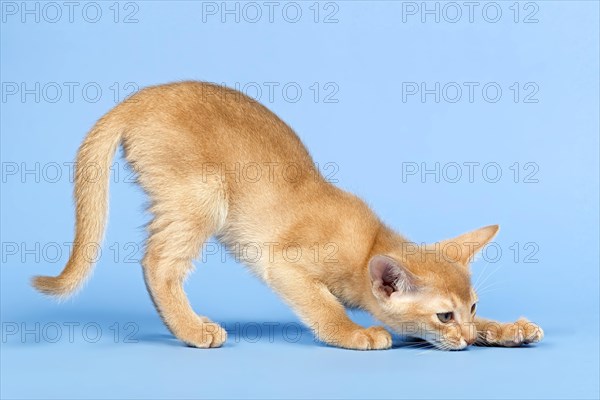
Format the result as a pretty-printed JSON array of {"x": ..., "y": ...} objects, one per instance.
[{"x": 216, "y": 162}]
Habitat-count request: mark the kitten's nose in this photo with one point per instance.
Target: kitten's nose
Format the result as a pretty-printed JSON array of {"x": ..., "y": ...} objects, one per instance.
[{"x": 470, "y": 340}]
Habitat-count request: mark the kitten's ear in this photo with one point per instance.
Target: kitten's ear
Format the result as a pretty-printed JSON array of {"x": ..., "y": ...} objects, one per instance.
[
  {"x": 464, "y": 247},
  {"x": 389, "y": 276}
]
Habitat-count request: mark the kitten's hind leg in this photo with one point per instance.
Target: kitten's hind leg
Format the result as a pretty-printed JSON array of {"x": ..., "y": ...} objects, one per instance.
[{"x": 173, "y": 244}]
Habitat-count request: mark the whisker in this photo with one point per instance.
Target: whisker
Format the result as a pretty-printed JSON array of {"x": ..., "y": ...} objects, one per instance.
[
  {"x": 479, "y": 284},
  {"x": 481, "y": 274},
  {"x": 484, "y": 279},
  {"x": 491, "y": 286}
]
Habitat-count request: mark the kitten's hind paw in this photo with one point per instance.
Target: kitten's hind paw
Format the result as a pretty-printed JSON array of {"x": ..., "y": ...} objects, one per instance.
[
  {"x": 514, "y": 334},
  {"x": 206, "y": 335}
]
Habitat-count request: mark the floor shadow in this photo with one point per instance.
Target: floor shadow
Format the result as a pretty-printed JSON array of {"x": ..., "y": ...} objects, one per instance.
[
  {"x": 291, "y": 332},
  {"x": 40, "y": 327}
]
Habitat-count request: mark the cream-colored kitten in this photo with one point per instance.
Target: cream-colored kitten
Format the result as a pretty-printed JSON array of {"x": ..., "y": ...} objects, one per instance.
[{"x": 215, "y": 162}]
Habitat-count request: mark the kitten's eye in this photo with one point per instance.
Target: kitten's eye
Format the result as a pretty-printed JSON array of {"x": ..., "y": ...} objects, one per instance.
[
  {"x": 445, "y": 317},
  {"x": 473, "y": 308}
]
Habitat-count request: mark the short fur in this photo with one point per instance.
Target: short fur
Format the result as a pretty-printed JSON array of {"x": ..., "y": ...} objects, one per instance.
[{"x": 198, "y": 149}]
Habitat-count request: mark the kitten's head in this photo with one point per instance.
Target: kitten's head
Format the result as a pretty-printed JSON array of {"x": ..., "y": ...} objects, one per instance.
[{"x": 426, "y": 292}]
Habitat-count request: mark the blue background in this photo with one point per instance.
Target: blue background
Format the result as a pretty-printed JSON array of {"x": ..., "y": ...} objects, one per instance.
[{"x": 368, "y": 133}]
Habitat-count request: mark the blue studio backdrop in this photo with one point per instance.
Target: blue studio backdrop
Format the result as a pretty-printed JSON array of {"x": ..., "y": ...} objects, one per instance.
[{"x": 443, "y": 116}]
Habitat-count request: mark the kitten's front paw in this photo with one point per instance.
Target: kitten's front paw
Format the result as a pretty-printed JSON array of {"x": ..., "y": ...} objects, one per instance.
[
  {"x": 513, "y": 334},
  {"x": 373, "y": 338}
]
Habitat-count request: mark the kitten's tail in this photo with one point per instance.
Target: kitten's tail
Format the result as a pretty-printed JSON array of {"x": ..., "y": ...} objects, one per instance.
[{"x": 92, "y": 174}]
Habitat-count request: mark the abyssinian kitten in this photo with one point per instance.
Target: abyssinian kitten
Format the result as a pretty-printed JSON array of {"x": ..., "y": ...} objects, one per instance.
[{"x": 187, "y": 142}]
